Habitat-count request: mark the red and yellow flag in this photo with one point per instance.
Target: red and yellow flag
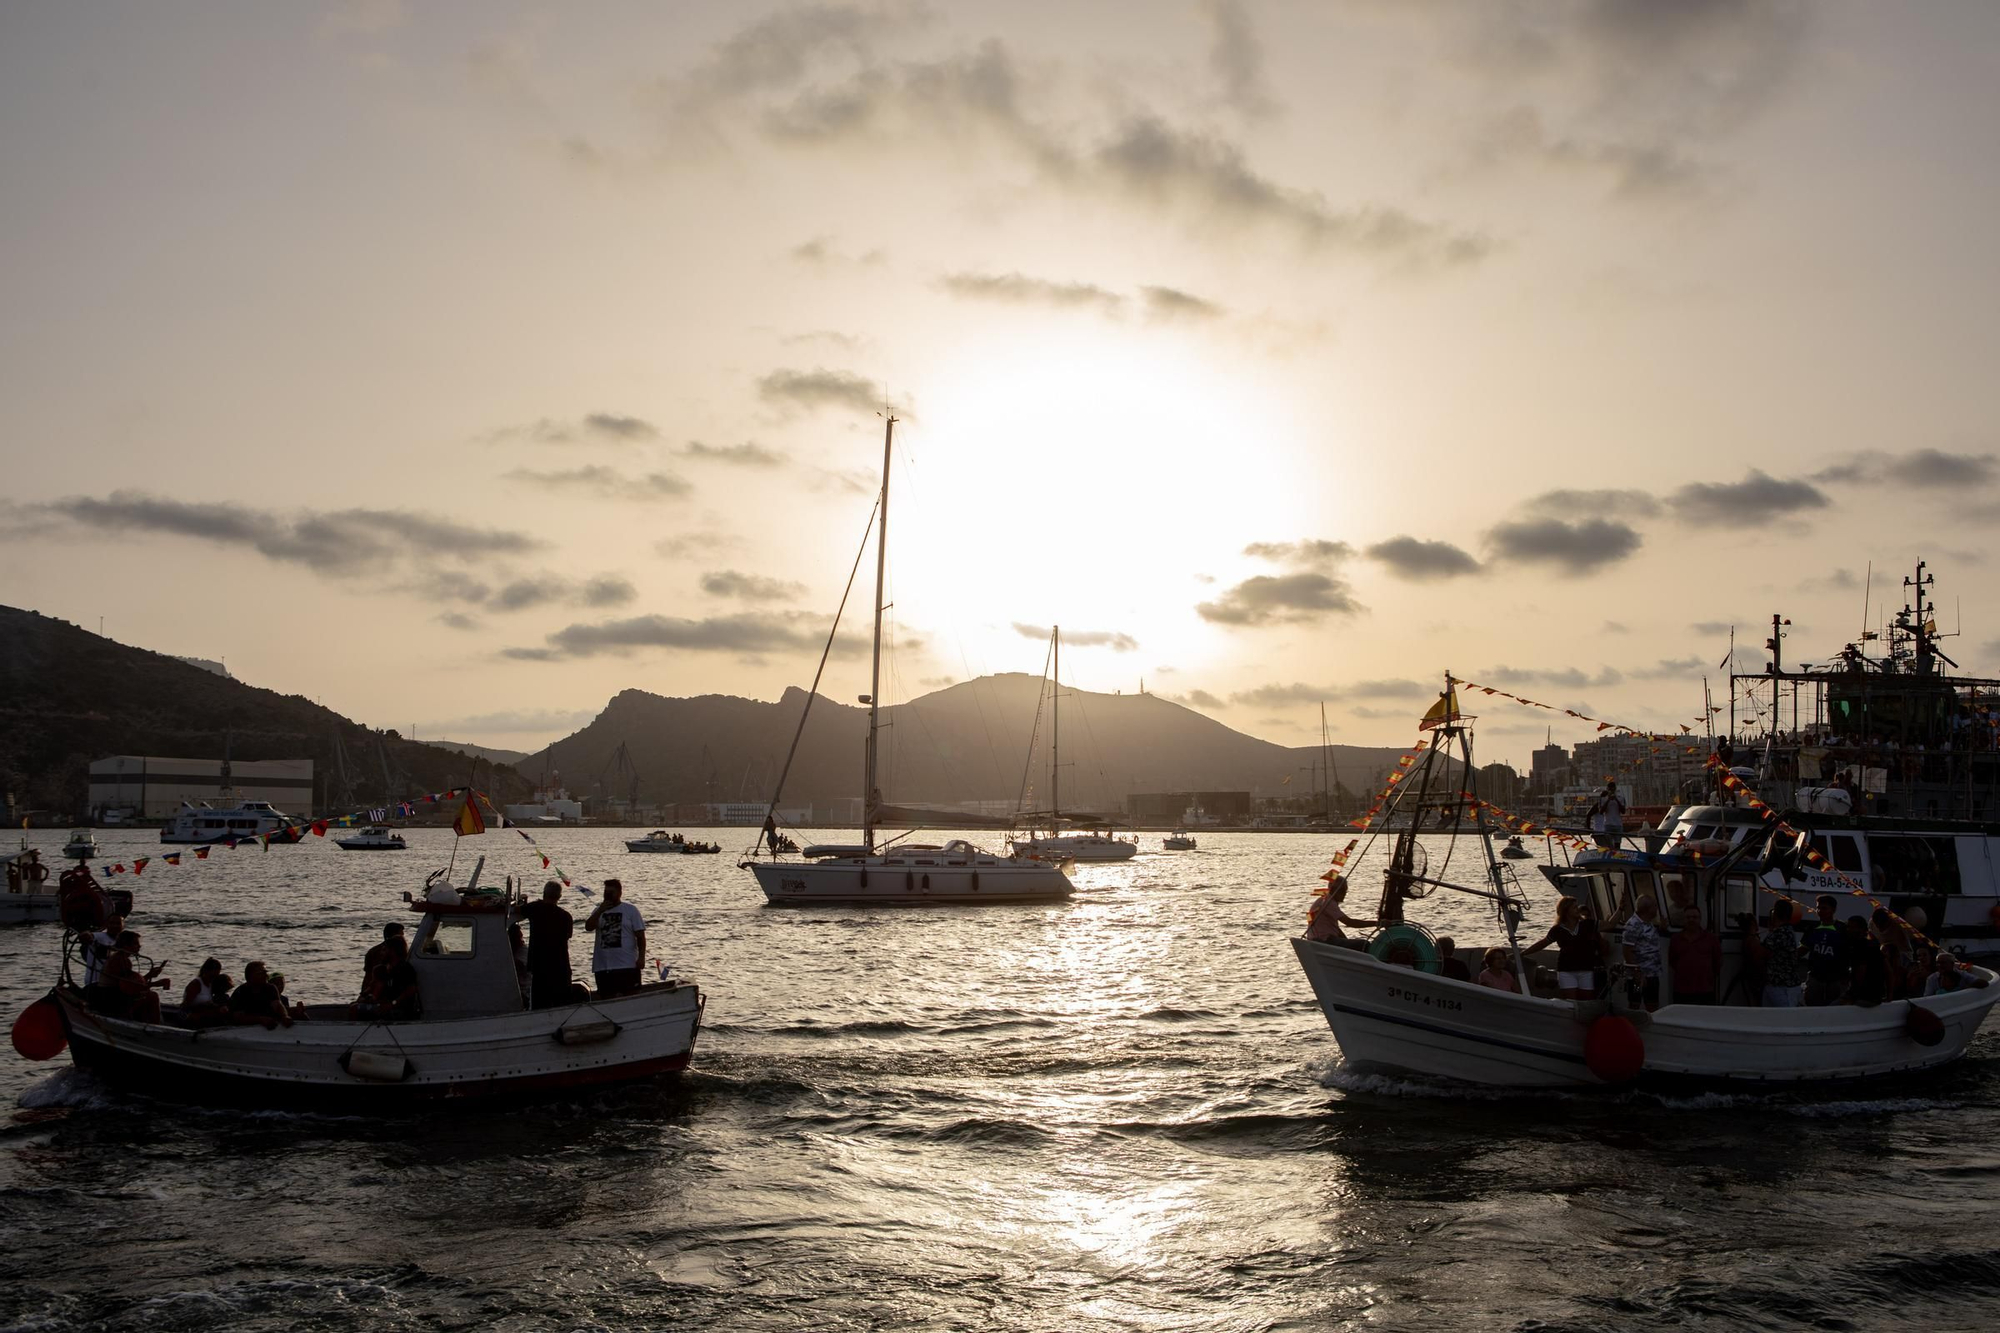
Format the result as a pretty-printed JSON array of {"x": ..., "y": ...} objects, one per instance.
[{"x": 469, "y": 820}]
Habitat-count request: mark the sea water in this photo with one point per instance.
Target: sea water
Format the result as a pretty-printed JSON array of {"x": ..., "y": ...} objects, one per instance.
[{"x": 1121, "y": 1113}]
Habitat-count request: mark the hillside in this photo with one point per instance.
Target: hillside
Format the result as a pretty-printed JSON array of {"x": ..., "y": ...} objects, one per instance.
[
  {"x": 968, "y": 742},
  {"x": 68, "y": 696}
]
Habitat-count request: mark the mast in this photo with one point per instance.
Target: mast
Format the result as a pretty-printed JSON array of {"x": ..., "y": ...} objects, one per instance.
[
  {"x": 872, "y": 798},
  {"x": 1055, "y": 738},
  {"x": 1325, "y": 763}
]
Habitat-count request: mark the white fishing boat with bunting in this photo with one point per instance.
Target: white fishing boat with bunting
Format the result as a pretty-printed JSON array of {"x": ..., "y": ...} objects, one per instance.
[
  {"x": 904, "y": 874},
  {"x": 1391, "y": 1006},
  {"x": 374, "y": 838},
  {"x": 476, "y": 1038}
]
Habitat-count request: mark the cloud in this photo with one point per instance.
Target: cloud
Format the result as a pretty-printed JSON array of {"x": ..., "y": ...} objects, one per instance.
[
  {"x": 607, "y": 482},
  {"x": 1160, "y": 165},
  {"x": 1921, "y": 469},
  {"x": 1199, "y": 699},
  {"x": 457, "y": 620},
  {"x": 1564, "y": 502},
  {"x": 329, "y": 542},
  {"x": 1167, "y": 303},
  {"x": 1717, "y": 504},
  {"x": 747, "y": 454},
  {"x": 1671, "y": 668},
  {"x": 1116, "y": 641},
  {"x": 1635, "y": 171},
  {"x": 1019, "y": 289},
  {"x": 1615, "y": 627},
  {"x": 706, "y": 543},
  {"x": 1561, "y": 678},
  {"x": 1297, "y": 693},
  {"x": 606, "y": 590},
  {"x": 1283, "y": 600},
  {"x": 1236, "y": 58},
  {"x": 1422, "y": 561},
  {"x": 1573, "y": 549},
  {"x": 794, "y": 632},
  {"x": 1712, "y": 627},
  {"x": 595, "y": 427},
  {"x": 750, "y": 587},
  {"x": 810, "y": 390},
  {"x": 1309, "y": 553},
  {"x": 1837, "y": 580}
]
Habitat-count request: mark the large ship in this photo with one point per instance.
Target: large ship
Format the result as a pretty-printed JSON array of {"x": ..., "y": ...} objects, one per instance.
[{"x": 247, "y": 819}]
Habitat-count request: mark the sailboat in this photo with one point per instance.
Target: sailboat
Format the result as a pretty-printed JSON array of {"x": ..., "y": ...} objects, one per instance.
[
  {"x": 1056, "y": 845},
  {"x": 917, "y": 874}
]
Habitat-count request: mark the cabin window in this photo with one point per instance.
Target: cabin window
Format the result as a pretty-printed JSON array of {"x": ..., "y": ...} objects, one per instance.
[
  {"x": 1913, "y": 865},
  {"x": 1739, "y": 898},
  {"x": 1846, "y": 852},
  {"x": 452, "y": 939}
]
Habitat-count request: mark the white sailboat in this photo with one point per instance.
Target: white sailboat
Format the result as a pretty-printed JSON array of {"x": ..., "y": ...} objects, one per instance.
[
  {"x": 908, "y": 873},
  {"x": 1089, "y": 844}
]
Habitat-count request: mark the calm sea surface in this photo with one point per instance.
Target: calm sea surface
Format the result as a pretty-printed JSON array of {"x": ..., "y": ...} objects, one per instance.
[{"x": 1122, "y": 1113}]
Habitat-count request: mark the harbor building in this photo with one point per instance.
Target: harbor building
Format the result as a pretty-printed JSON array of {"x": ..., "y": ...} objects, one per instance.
[{"x": 151, "y": 787}]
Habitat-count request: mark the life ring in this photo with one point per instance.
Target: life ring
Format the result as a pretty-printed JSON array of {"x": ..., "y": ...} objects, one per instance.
[
  {"x": 1613, "y": 1050},
  {"x": 1922, "y": 1026}
]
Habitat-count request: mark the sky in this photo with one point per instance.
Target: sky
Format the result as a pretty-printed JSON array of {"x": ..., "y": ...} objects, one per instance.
[{"x": 460, "y": 365}]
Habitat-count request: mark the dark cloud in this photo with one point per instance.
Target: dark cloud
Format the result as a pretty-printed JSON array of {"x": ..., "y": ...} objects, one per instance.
[
  {"x": 1116, "y": 641},
  {"x": 1236, "y": 58},
  {"x": 457, "y": 620},
  {"x": 1563, "y": 503},
  {"x": 1712, "y": 627},
  {"x": 342, "y": 541},
  {"x": 1671, "y": 668},
  {"x": 750, "y": 587},
  {"x": 1757, "y": 496},
  {"x": 1922, "y": 469},
  {"x": 1164, "y": 166},
  {"x": 1835, "y": 580},
  {"x": 1634, "y": 171},
  {"x": 1167, "y": 303},
  {"x": 1198, "y": 698},
  {"x": 1020, "y": 289},
  {"x": 522, "y": 594},
  {"x": 810, "y": 390},
  {"x": 1614, "y": 627},
  {"x": 1308, "y": 553},
  {"x": 598, "y": 427},
  {"x": 1572, "y": 548},
  {"x": 607, "y": 482},
  {"x": 1282, "y": 695},
  {"x": 1422, "y": 561},
  {"x": 607, "y": 590},
  {"x": 779, "y": 51},
  {"x": 792, "y": 632},
  {"x": 1561, "y": 678},
  {"x": 1284, "y": 600},
  {"x": 819, "y": 253},
  {"x": 747, "y": 454}
]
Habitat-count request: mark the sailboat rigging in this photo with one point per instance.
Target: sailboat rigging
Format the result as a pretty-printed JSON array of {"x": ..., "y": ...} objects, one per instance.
[
  {"x": 1055, "y": 845},
  {"x": 912, "y": 873}
]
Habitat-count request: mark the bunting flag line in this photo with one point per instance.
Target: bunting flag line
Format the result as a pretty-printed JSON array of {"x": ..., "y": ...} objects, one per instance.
[
  {"x": 1396, "y": 776},
  {"x": 317, "y": 827}
]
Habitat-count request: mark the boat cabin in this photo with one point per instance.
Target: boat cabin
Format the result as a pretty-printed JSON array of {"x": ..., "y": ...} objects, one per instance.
[{"x": 463, "y": 958}]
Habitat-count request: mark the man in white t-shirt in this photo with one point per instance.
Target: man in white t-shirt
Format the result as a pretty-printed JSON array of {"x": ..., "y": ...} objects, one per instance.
[
  {"x": 1607, "y": 816},
  {"x": 618, "y": 947}
]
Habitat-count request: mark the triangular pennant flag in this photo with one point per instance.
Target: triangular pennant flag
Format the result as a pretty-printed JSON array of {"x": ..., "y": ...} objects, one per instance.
[
  {"x": 172, "y": 858},
  {"x": 201, "y": 853},
  {"x": 139, "y": 866}
]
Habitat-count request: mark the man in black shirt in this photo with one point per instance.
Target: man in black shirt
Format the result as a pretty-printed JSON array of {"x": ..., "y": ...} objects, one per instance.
[
  {"x": 1828, "y": 960},
  {"x": 548, "y": 948},
  {"x": 257, "y": 1000}
]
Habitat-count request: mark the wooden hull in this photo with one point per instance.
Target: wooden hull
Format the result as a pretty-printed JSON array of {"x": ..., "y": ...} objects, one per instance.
[
  {"x": 1400, "y": 1019},
  {"x": 358, "y": 1066}
]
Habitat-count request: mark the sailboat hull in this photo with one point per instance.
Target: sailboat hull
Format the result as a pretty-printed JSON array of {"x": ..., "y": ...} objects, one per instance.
[{"x": 911, "y": 881}]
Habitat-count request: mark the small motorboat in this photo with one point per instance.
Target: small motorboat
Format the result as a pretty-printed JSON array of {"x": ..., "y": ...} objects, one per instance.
[
  {"x": 1514, "y": 851},
  {"x": 700, "y": 848},
  {"x": 30, "y": 896},
  {"x": 1178, "y": 841},
  {"x": 476, "y": 1039},
  {"x": 375, "y": 838},
  {"x": 82, "y": 845},
  {"x": 659, "y": 840}
]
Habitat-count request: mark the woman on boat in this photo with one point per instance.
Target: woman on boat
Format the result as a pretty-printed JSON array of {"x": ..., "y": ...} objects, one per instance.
[
  {"x": 1579, "y": 950},
  {"x": 1324, "y": 922}
]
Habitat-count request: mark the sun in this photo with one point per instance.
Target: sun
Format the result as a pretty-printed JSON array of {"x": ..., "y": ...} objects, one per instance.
[{"x": 1088, "y": 477}]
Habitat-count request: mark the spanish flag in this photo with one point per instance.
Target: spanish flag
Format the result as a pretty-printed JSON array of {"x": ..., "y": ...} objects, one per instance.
[
  {"x": 1444, "y": 711},
  {"x": 468, "y": 821}
]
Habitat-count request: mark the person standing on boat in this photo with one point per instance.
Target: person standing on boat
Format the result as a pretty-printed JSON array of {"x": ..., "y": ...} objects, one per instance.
[
  {"x": 1579, "y": 950},
  {"x": 1784, "y": 961},
  {"x": 1827, "y": 963},
  {"x": 548, "y": 948},
  {"x": 620, "y": 946},
  {"x": 1324, "y": 921},
  {"x": 1644, "y": 950},
  {"x": 1695, "y": 956},
  {"x": 1607, "y": 816}
]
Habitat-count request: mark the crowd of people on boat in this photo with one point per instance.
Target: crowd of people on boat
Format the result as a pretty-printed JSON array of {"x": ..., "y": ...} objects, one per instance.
[{"x": 118, "y": 983}]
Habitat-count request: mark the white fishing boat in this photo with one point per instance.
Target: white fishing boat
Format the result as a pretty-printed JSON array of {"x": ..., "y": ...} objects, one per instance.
[
  {"x": 661, "y": 842},
  {"x": 205, "y": 823},
  {"x": 909, "y": 874},
  {"x": 1056, "y": 843},
  {"x": 1180, "y": 840},
  {"x": 82, "y": 845},
  {"x": 1390, "y": 1006},
  {"x": 374, "y": 838},
  {"x": 476, "y": 1038}
]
